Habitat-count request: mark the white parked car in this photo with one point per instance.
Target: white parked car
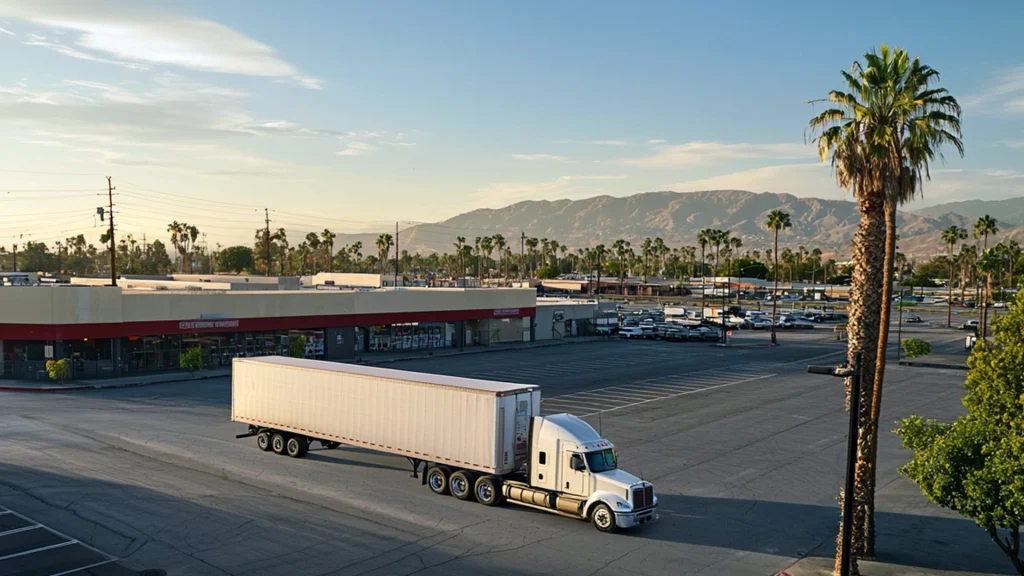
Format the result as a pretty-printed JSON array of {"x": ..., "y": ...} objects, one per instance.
[
  {"x": 632, "y": 332},
  {"x": 761, "y": 323}
]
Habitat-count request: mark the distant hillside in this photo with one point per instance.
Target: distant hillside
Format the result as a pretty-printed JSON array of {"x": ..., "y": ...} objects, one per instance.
[
  {"x": 1009, "y": 212},
  {"x": 676, "y": 217}
]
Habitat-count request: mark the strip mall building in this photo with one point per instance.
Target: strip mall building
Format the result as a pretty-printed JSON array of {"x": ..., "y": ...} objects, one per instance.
[{"x": 115, "y": 331}]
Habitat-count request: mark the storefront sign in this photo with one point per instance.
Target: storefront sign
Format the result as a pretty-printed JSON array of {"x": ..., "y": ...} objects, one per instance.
[
  {"x": 206, "y": 324},
  {"x": 500, "y": 312}
]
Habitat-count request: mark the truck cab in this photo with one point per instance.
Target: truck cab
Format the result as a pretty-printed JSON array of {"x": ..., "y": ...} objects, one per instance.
[{"x": 569, "y": 457}]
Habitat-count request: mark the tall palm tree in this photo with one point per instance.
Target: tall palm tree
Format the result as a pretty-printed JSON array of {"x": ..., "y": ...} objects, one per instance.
[
  {"x": 621, "y": 247},
  {"x": 531, "y": 252},
  {"x": 846, "y": 136},
  {"x": 991, "y": 262},
  {"x": 1013, "y": 253},
  {"x": 313, "y": 240},
  {"x": 776, "y": 222},
  {"x": 486, "y": 248},
  {"x": 704, "y": 239},
  {"x": 499, "y": 243},
  {"x": 327, "y": 238},
  {"x": 175, "y": 229},
  {"x": 950, "y": 237},
  {"x": 735, "y": 244},
  {"x": 984, "y": 227},
  {"x": 646, "y": 248},
  {"x": 460, "y": 243},
  {"x": 815, "y": 259}
]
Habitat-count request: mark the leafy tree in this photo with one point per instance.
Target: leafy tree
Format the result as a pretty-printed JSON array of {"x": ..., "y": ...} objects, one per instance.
[
  {"x": 975, "y": 465},
  {"x": 58, "y": 370},
  {"x": 297, "y": 347},
  {"x": 913, "y": 347},
  {"x": 192, "y": 359},
  {"x": 235, "y": 259}
]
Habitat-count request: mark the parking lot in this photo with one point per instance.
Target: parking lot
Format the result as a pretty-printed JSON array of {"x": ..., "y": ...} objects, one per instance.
[
  {"x": 745, "y": 450},
  {"x": 28, "y": 548}
]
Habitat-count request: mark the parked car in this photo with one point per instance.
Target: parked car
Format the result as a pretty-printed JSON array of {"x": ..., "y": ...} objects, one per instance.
[
  {"x": 967, "y": 304},
  {"x": 999, "y": 304},
  {"x": 705, "y": 334},
  {"x": 761, "y": 323},
  {"x": 911, "y": 318},
  {"x": 676, "y": 334},
  {"x": 969, "y": 325},
  {"x": 631, "y": 332}
]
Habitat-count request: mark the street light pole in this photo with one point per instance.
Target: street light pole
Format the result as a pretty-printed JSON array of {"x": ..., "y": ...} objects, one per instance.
[
  {"x": 899, "y": 330},
  {"x": 846, "y": 546}
]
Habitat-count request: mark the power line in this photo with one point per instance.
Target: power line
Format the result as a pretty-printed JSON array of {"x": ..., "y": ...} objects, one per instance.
[{"x": 47, "y": 173}]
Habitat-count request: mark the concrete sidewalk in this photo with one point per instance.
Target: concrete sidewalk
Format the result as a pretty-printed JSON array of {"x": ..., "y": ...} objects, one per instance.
[
  {"x": 815, "y": 566},
  {"x": 168, "y": 377}
]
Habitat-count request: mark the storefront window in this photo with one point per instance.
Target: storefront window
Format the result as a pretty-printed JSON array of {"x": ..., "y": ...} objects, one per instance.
[{"x": 415, "y": 336}]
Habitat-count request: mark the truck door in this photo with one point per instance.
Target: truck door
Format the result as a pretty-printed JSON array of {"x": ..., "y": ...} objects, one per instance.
[
  {"x": 522, "y": 429},
  {"x": 575, "y": 478}
]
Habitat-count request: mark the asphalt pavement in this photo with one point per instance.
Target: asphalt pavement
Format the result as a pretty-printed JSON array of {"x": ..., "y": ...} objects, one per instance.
[{"x": 745, "y": 450}]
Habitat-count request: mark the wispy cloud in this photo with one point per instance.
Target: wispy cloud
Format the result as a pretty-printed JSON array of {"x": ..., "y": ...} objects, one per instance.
[
  {"x": 502, "y": 193},
  {"x": 8, "y": 32},
  {"x": 656, "y": 141},
  {"x": 140, "y": 35},
  {"x": 539, "y": 157},
  {"x": 703, "y": 153},
  {"x": 356, "y": 149},
  {"x": 1003, "y": 94},
  {"x": 595, "y": 142}
]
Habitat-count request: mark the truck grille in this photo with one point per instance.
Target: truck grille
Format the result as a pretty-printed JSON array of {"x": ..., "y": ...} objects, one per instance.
[{"x": 643, "y": 497}]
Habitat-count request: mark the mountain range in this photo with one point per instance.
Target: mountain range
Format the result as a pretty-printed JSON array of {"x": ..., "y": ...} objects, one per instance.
[{"x": 677, "y": 217}]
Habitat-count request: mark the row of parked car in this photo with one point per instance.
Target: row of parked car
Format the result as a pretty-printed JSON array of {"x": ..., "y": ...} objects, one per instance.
[{"x": 671, "y": 331}]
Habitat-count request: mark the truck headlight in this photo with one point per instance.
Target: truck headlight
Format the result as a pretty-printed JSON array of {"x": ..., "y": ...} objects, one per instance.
[{"x": 622, "y": 505}]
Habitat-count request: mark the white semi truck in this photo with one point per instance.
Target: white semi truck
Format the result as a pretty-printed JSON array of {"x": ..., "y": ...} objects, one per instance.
[{"x": 474, "y": 439}]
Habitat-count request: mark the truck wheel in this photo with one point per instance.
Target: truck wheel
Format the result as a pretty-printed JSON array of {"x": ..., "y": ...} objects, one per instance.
[
  {"x": 488, "y": 491},
  {"x": 462, "y": 484},
  {"x": 263, "y": 441},
  {"x": 277, "y": 443},
  {"x": 603, "y": 518},
  {"x": 437, "y": 479},
  {"x": 296, "y": 446}
]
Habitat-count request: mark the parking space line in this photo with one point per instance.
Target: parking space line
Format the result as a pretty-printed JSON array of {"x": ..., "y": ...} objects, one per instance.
[
  {"x": 22, "y": 529},
  {"x": 41, "y": 549},
  {"x": 613, "y": 396},
  {"x": 680, "y": 394},
  {"x": 638, "y": 389},
  {"x": 89, "y": 567},
  {"x": 2, "y": 512},
  {"x": 574, "y": 401},
  {"x": 63, "y": 535}
]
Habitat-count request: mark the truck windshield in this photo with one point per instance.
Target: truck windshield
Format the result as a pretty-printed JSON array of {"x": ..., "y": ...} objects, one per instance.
[{"x": 602, "y": 461}]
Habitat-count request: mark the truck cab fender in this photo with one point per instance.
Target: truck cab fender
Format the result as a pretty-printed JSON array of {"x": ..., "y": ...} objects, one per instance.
[{"x": 612, "y": 499}]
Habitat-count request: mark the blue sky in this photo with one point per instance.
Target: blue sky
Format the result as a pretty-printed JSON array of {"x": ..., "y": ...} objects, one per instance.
[{"x": 348, "y": 115}]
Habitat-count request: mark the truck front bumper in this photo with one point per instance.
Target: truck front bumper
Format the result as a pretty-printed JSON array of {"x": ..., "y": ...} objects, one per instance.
[{"x": 631, "y": 519}]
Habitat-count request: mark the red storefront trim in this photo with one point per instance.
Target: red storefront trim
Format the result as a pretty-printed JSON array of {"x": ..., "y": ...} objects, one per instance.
[{"x": 162, "y": 327}]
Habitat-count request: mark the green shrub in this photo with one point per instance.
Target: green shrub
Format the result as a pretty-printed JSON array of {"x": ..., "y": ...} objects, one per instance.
[
  {"x": 912, "y": 348},
  {"x": 58, "y": 370},
  {"x": 297, "y": 347},
  {"x": 192, "y": 359}
]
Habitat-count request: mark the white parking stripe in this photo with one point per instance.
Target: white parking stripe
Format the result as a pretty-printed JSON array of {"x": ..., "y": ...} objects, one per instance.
[
  {"x": 604, "y": 394},
  {"x": 22, "y": 529},
  {"x": 575, "y": 401},
  {"x": 2, "y": 512},
  {"x": 679, "y": 394},
  {"x": 62, "y": 535},
  {"x": 84, "y": 567},
  {"x": 42, "y": 549}
]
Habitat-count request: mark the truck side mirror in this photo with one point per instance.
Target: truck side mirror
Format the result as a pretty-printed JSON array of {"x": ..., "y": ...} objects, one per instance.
[{"x": 576, "y": 463}]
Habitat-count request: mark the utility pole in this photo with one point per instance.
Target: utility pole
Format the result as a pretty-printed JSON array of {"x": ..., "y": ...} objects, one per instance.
[
  {"x": 266, "y": 234},
  {"x": 113, "y": 245},
  {"x": 205, "y": 254},
  {"x": 522, "y": 256},
  {"x": 15, "y": 256},
  {"x": 396, "y": 254}
]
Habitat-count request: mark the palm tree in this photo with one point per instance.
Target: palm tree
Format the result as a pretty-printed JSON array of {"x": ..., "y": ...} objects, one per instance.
[
  {"x": 327, "y": 238},
  {"x": 384, "y": 243},
  {"x": 460, "y": 243},
  {"x": 621, "y": 247},
  {"x": 845, "y": 135},
  {"x": 645, "y": 251},
  {"x": 313, "y": 240},
  {"x": 175, "y": 229},
  {"x": 984, "y": 227},
  {"x": 950, "y": 236},
  {"x": 815, "y": 259},
  {"x": 281, "y": 237},
  {"x": 1013, "y": 252},
  {"x": 499, "y": 243},
  {"x": 735, "y": 244},
  {"x": 598, "y": 253},
  {"x": 777, "y": 221},
  {"x": 704, "y": 239},
  {"x": 487, "y": 247},
  {"x": 991, "y": 262},
  {"x": 531, "y": 251}
]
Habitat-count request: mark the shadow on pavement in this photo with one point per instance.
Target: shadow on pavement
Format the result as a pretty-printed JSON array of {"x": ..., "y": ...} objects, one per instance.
[{"x": 795, "y": 530}]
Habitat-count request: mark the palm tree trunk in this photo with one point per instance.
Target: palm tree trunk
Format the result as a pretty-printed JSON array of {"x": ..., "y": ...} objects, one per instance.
[
  {"x": 863, "y": 333},
  {"x": 775, "y": 292},
  {"x": 949, "y": 291},
  {"x": 876, "y": 399}
]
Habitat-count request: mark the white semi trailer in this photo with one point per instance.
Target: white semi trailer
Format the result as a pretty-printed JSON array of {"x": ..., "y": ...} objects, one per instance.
[{"x": 475, "y": 439}]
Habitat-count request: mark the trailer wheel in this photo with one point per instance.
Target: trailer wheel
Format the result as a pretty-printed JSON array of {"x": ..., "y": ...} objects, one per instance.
[
  {"x": 296, "y": 446},
  {"x": 603, "y": 518},
  {"x": 277, "y": 443},
  {"x": 263, "y": 441},
  {"x": 437, "y": 479},
  {"x": 462, "y": 484},
  {"x": 488, "y": 491}
]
